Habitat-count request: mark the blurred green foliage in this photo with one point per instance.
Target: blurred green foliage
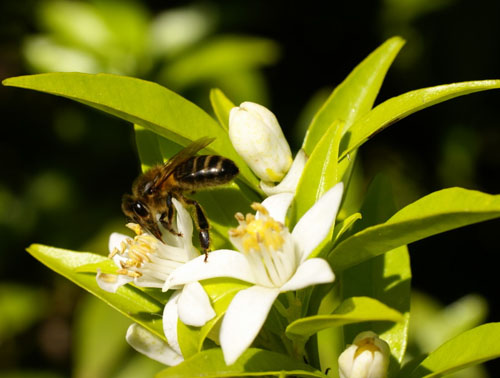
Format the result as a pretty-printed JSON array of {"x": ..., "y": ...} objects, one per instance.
[{"x": 64, "y": 172}]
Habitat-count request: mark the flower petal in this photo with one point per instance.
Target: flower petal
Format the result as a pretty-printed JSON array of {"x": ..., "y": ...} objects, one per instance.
[
  {"x": 315, "y": 224},
  {"x": 111, "y": 282},
  {"x": 310, "y": 272},
  {"x": 170, "y": 318},
  {"x": 290, "y": 181},
  {"x": 152, "y": 346},
  {"x": 277, "y": 206},
  {"x": 243, "y": 320},
  {"x": 221, "y": 263},
  {"x": 194, "y": 305},
  {"x": 115, "y": 240}
]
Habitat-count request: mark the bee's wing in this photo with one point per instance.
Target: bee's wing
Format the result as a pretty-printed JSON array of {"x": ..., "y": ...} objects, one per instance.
[{"x": 184, "y": 154}]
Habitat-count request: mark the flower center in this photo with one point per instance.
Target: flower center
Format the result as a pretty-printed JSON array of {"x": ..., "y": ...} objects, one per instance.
[
  {"x": 147, "y": 259},
  {"x": 268, "y": 246},
  {"x": 367, "y": 344}
]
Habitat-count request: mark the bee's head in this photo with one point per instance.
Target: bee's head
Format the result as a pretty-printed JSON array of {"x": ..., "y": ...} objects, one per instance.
[{"x": 138, "y": 212}]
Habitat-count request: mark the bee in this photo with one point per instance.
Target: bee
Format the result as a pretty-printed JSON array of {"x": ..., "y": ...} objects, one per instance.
[{"x": 150, "y": 203}]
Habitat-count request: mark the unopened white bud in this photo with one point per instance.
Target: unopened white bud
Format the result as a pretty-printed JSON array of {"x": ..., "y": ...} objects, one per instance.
[
  {"x": 367, "y": 357},
  {"x": 257, "y": 137}
]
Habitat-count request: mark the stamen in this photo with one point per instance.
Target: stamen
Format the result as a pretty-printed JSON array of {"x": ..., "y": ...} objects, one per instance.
[{"x": 135, "y": 227}]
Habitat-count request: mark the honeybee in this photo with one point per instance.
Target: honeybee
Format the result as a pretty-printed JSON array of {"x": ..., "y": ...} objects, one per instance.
[{"x": 150, "y": 203}]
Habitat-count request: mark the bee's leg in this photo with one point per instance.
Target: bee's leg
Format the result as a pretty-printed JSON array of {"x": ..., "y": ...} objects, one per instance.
[
  {"x": 201, "y": 224},
  {"x": 167, "y": 217}
]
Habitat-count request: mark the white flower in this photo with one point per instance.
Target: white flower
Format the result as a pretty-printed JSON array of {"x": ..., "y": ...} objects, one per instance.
[
  {"x": 152, "y": 346},
  {"x": 148, "y": 262},
  {"x": 271, "y": 258},
  {"x": 367, "y": 357},
  {"x": 257, "y": 137}
]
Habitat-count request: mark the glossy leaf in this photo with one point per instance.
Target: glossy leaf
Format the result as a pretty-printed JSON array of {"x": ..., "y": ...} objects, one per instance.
[
  {"x": 435, "y": 213},
  {"x": 352, "y": 310},
  {"x": 397, "y": 108},
  {"x": 470, "y": 348},
  {"x": 140, "y": 102},
  {"x": 221, "y": 106},
  {"x": 252, "y": 363},
  {"x": 355, "y": 95},
  {"x": 320, "y": 172},
  {"x": 130, "y": 301},
  {"x": 385, "y": 277}
]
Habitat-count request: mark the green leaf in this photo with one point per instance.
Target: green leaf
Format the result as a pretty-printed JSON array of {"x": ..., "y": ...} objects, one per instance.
[
  {"x": 320, "y": 172},
  {"x": 140, "y": 102},
  {"x": 221, "y": 106},
  {"x": 148, "y": 147},
  {"x": 435, "y": 213},
  {"x": 397, "y": 108},
  {"x": 130, "y": 301},
  {"x": 352, "y": 310},
  {"x": 252, "y": 363},
  {"x": 385, "y": 278},
  {"x": 470, "y": 348},
  {"x": 221, "y": 293},
  {"x": 355, "y": 95}
]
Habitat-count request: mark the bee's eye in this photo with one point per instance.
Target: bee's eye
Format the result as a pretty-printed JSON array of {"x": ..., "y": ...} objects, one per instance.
[{"x": 140, "y": 209}]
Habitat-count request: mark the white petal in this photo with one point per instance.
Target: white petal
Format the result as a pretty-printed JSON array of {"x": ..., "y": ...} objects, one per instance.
[
  {"x": 290, "y": 181},
  {"x": 243, "y": 320},
  {"x": 194, "y": 305},
  {"x": 315, "y": 224},
  {"x": 170, "y": 318},
  {"x": 152, "y": 346},
  {"x": 111, "y": 282},
  {"x": 310, "y": 272},
  {"x": 184, "y": 221},
  {"x": 221, "y": 263},
  {"x": 277, "y": 206},
  {"x": 115, "y": 239}
]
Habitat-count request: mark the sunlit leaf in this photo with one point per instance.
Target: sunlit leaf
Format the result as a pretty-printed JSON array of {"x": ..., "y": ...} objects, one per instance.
[
  {"x": 221, "y": 106},
  {"x": 140, "y": 102},
  {"x": 435, "y": 213},
  {"x": 253, "y": 362},
  {"x": 355, "y": 95},
  {"x": 352, "y": 310},
  {"x": 397, "y": 108},
  {"x": 131, "y": 302},
  {"x": 472, "y": 347},
  {"x": 320, "y": 172}
]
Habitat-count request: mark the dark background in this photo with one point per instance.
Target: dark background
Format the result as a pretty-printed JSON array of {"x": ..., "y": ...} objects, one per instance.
[{"x": 63, "y": 190}]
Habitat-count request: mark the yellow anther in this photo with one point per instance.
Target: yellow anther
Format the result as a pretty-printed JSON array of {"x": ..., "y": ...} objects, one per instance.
[
  {"x": 129, "y": 273},
  {"x": 258, "y": 207},
  {"x": 367, "y": 344},
  {"x": 239, "y": 217},
  {"x": 135, "y": 227},
  {"x": 258, "y": 234},
  {"x": 113, "y": 253}
]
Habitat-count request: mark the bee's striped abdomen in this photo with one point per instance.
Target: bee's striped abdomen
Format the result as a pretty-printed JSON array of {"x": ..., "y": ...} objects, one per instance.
[{"x": 205, "y": 171}]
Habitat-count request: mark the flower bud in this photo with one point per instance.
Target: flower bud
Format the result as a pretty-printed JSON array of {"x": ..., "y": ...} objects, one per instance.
[
  {"x": 367, "y": 357},
  {"x": 257, "y": 137}
]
